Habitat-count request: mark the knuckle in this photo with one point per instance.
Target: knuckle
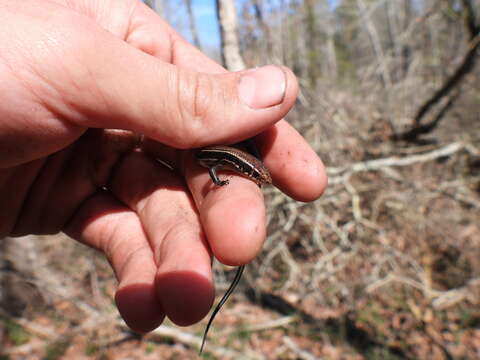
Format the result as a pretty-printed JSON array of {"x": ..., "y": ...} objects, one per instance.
[{"x": 197, "y": 102}]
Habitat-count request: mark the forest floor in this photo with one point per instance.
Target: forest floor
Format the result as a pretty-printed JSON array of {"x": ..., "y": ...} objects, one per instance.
[{"x": 385, "y": 266}]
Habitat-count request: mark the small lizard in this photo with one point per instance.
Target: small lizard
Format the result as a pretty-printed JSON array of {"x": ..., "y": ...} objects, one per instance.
[{"x": 241, "y": 162}]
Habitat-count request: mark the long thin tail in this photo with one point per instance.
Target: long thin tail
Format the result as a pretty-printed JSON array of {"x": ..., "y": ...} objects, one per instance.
[{"x": 234, "y": 283}]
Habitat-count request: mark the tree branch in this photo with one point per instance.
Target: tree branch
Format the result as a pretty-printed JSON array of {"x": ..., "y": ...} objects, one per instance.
[{"x": 466, "y": 66}]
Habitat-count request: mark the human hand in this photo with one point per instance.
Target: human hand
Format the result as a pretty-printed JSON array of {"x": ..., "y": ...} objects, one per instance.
[{"x": 72, "y": 69}]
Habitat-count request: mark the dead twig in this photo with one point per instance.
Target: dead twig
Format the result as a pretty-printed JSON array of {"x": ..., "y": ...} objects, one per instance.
[
  {"x": 302, "y": 354},
  {"x": 191, "y": 340},
  {"x": 336, "y": 174},
  {"x": 267, "y": 325}
]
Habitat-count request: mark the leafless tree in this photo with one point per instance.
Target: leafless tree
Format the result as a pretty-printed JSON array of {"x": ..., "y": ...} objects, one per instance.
[
  {"x": 453, "y": 81},
  {"x": 227, "y": 19},
  {"x": 192, "y": 23}
]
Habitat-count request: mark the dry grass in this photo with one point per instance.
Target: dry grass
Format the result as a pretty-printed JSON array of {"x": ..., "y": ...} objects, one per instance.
[{"x": 385, "y": 265}]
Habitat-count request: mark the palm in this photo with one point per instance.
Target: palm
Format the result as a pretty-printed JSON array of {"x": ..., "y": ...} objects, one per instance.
[{"x": 60, "y": 172}]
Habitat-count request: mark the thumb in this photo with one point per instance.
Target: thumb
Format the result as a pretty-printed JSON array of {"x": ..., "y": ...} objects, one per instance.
[{"x": 119, "y": 86}]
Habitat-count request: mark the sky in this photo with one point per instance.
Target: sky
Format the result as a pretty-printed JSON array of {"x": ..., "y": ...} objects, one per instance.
[
  {"x": 204, "y": 11},
  {"x": 206, "y": 20}
]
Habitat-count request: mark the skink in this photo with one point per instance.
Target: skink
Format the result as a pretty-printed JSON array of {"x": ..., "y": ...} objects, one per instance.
[
  {"x": 230, "y": 158},
  {"x": 241, "y": 162}
]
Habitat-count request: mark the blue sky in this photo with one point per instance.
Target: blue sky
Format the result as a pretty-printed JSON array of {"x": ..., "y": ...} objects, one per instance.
[
  {"x": 204, "y": 11},
  {"x": 206, "y": 20}
]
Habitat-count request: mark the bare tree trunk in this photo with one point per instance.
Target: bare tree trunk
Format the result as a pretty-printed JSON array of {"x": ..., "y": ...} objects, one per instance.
[
  {"x": 284, "y": 35},
  {"x": 230, "y": 49},
  {"x": 325, "y": 38},
  {"x": 406, "y": 50},
  {"x": 331, "y": 55},
  {"x": 376, "y": 44},
  {"x": 312, "y": 37},
  {"x": 257, "y": 5},
  {"x": 392, "y": 15},
  {"x": 192, "y": 24},
  {"x": 298, "y": 51}
]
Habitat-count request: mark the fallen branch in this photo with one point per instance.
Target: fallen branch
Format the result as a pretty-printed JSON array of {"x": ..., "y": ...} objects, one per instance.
[
  {"x": 454, "y": 296},
  {"x": 336, "y": 174},
  {"x": 302, "y": 354},
  {"x": 194, "y": 341},
  {"x": 272, "y": 324}
]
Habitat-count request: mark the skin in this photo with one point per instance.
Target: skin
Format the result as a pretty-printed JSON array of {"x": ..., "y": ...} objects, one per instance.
[{"x": 74, "y": 70}]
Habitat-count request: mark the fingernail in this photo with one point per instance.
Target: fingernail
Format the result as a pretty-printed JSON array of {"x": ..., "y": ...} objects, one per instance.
[{"x": 262, "y": 87}]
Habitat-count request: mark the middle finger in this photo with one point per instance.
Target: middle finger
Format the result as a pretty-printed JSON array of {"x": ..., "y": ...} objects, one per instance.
[{"x": 159, "y": 197}]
